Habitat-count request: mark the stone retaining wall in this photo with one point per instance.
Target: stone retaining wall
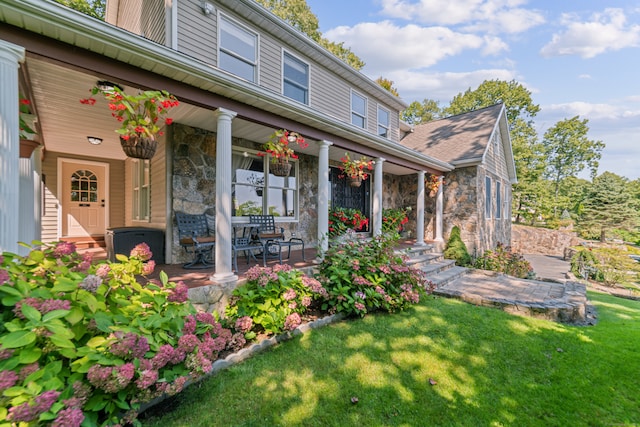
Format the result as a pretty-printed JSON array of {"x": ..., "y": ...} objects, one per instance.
[{"x": 542, "y": 241}]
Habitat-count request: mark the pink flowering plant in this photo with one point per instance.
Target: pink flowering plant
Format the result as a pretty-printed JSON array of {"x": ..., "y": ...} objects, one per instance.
[
  {"x": 273, "y": 300},
  {"x": 86, "y": 344},
  {"x": 365, "y": 276}
]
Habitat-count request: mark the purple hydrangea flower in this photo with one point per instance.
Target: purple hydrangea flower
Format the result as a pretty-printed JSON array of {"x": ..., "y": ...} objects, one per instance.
[
  {"x": 244, "y": 324},
  {"x": 293, "y": 321},
  {"x": 69, "y": 417},
  {"x": 91, "y": 283},
  {"x": 4, "y": 276},
  {"x": 63, "y": 249},
  {"x": 180, "y": 293}
]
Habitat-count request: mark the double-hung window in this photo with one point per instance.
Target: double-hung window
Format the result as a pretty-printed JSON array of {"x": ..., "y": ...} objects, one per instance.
[
  {"x": 488, "y": 201},
  {"x": 383, "y": 122},
  {"x": 238, "y": 50},
  {"x": 141, "y": 180},
  {"x": 358, "y": 110},
  {"x": 295, "y": 78},
  {"x": 257, "y": 191}
]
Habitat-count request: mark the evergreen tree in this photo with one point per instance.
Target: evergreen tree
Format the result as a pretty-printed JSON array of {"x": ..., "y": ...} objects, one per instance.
[{"x": 609, "y": 205}]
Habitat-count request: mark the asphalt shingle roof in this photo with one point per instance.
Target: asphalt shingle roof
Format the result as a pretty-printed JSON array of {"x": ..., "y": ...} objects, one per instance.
[{"x": 457, "y": 138}]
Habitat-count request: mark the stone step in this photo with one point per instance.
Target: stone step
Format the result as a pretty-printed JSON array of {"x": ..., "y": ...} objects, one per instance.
[
  {"x": 435, "y": 267},
  {"x": 420, "y": 261},
  {"x": 448, "y": 275},
  {"x": 417, "y": 250}
]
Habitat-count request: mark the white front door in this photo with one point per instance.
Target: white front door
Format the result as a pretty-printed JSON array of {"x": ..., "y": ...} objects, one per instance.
[{"x": 83, "y": 198}]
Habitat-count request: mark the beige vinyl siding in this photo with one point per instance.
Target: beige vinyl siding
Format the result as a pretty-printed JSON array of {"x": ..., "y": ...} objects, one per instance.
[
  {"x": 115, "y": 203},
  {"x": 143, "y": 17},
  {"x": 197, "y": 32},
  {"x": 270, "y": 63},
  {"x": 330, "y": 94},
  {"x": 495, "y": 160}
]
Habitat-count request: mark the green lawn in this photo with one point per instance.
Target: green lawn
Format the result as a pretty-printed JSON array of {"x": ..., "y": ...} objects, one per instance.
[{"x": 489, "y": 368}]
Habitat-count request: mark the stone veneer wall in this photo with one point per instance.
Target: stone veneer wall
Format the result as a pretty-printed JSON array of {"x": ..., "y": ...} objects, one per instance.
[
  {"x": 194, "y": 182},
  {"x": 464, "y": 198}
]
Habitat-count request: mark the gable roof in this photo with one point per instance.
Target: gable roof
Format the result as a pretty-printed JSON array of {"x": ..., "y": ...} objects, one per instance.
[{"x": 463, "y": 140}]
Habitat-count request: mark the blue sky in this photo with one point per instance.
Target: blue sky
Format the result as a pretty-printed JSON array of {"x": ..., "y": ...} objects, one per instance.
[{"x": 577, "y": 57}]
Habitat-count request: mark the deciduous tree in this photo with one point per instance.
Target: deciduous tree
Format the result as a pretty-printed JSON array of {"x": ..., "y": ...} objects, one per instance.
[{"x": 422, "y": 112}]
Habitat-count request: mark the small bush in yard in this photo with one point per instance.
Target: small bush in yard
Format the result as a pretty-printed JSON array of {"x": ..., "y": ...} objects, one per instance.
[
  {"x": 585, "y": 265},
  {"x": 502, "y": 259},
  {"x": 272, "y": 300},
  {"x": 87, "y": 344},
  {"x": 361, "y": 276},
  {"x": 456, "y": 249}
]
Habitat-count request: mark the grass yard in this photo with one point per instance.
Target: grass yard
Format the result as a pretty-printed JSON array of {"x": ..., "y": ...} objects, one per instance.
[{"x": 443, "y": 362}]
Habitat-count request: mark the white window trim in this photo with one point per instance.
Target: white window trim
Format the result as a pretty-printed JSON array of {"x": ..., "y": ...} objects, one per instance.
[
  {"x": 488, "y": 197},
  {"x": 498, "y": 200},
  {"x": 140, "y": 203},
  {"x": 286, "y": 52},
  {"x": 265, "y": 198},
  {"x": 366, "y": 108},
  {"x": 223, "y": 16},
  {"x": 388, "y": 126}
]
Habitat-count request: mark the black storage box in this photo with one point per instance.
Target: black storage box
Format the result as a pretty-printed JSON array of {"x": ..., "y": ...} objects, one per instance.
[{"x": 121, "y": 240}]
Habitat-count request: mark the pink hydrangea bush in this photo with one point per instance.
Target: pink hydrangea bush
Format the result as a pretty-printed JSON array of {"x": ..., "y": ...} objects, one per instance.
[
  {"x": 88, "y": 344},
  {"x": 364, "y": 276},
  {"x": 273, "y": 300}
]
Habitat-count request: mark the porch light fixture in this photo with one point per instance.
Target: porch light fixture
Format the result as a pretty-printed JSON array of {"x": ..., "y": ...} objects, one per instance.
[
  {"x": 94, "y": 140},
  {"x": 107, "y": 86},
  {"x": 207, "y": 8}
]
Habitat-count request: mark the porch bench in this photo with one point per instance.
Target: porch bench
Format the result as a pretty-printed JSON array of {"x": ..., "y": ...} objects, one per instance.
[{"x": 196, "y": 238}]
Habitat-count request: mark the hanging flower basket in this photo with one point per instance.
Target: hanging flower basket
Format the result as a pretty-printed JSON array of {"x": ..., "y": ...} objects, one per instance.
[
  {"x": 355, "y": 181},
  {"x": 280, "y": 168},
  {"x": 139, "y": 147}
]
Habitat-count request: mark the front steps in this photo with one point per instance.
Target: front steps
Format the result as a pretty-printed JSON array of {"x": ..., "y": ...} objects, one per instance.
[
  {"x": 437, "y": 269},
  {"x": 95, "y": 245}
]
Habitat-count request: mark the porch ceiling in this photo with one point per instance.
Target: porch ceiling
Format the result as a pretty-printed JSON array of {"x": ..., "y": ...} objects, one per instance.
[{"x": 65, "y": 123}]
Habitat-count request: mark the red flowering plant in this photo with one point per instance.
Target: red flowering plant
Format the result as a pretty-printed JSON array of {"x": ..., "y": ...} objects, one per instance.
[
  {"x": 279, "y": 145},
  {"x": 393, "y": 220},
  {"x": 355, "y": 168},
  {"x": 142, "y": 114},
  {"x": 26, "y": 131},
  {"x": 343, "y": 219}
]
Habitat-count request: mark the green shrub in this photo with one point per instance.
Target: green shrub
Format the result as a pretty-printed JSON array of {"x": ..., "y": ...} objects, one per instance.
[
  {"x": 83, "y": 343},
  {"x": 456, "y": 249},
  {"x": 584, "y": 265},
  {"x": 272, "y": 300},
  {"x": 503, "y": 260},
  {"x": 361, "y": 276}
]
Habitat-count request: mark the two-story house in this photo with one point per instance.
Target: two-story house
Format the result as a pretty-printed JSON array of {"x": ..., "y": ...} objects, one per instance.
[{"x": 240, "y": 74}]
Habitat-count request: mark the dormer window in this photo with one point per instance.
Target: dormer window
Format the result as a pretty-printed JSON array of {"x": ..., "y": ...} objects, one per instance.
[
  {"x": 295, "y": 78},
  {"x": 238, "y": 50}
]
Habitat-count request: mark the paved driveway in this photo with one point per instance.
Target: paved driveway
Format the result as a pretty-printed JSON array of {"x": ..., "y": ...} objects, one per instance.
[{"x": 549, "y": 267}]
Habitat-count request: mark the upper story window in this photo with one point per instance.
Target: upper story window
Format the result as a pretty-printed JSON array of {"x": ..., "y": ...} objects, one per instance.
[
  {"x": 383, "y": 122},
  {"x": 238, "y": 50},
  {"x": 295, "y": 78},
  {"x": 358, "y": 110}
]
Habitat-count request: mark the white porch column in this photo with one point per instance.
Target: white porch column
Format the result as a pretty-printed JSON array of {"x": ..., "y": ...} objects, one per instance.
[
  {"x": 224, "y": 230},
  {"x": 377, "y": 197},
  {"x": 323, "y": 196},
  {"x": 30, "y": 200},
  {"x": 11, "y": 56},
  {"x": 420, "y": 210},
  {"x": 439, "y": 209}
]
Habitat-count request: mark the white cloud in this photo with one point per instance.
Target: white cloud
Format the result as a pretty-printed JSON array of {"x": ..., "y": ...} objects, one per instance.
[
  {"x": 494, "y": 16},
  {"x": 594, "y": 111},
  {"x": 585, "y": 76},
  {"x": 416, "y": 86},
  {"x": 384, "y": 46},
  {"x": 605, "y": 31}
]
